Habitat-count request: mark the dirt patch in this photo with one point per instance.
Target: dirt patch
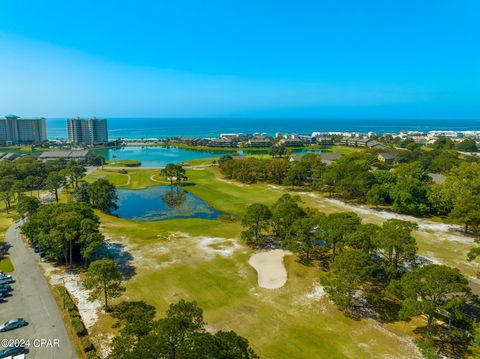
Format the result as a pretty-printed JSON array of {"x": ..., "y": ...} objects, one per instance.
[
  {"x": 317, "y": 293},
  {"x": 212, "y": 246}
]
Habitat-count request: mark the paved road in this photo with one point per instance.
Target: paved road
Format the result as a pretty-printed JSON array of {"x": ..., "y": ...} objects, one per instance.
[{"x": 32, "y": 300}]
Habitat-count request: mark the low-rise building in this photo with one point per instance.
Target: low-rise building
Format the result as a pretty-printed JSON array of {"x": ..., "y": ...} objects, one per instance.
[
  {"x": 77, "y": 155},
  {"x": 329, "y": 157},
  {"x": 388, "y": 157},
  {"x": 9, "y": 156},
  {"x": 259, "y": 141},
  {"x": 293, "y": 142},
  {"x": 437, "y": 178},
  {"x": 324, "y": 141},
  {"x": 361, "y": 142},
  {"x": 295, "y": 158},
  {"x": 222, "y": 142}
]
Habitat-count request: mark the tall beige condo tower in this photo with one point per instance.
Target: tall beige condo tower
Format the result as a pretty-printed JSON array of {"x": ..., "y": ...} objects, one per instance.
[
  {"x": 91, "y": 131},
  {"x": 15, "y": 130}
]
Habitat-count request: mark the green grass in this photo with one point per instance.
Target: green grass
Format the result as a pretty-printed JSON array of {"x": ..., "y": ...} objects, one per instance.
[
  {"x": 125, "y": 163},
  {"x": 6, "y": 220},
  {"x": 281, "y": 323},
  {"x": 233, "y": 197},
  {"x": 344, "y": 150},
  {"x": 133, "y": 178},
  {"x": 6, "y": 265}
]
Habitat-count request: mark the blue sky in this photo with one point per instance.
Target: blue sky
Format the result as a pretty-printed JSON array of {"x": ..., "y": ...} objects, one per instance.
[{"x": 329, "y": 58}]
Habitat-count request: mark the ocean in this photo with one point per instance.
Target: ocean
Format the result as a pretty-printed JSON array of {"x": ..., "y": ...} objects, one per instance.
[{"x": 203, "y": 127}]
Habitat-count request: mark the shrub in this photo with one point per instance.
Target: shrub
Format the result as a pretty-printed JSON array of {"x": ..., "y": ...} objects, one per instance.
[
  {"x": 86, "y": 344},
  {"x": 227, "y": 218},
  {"x": 92, "y": 355},
  {"x": 78, "y": 327},
  {"x": 74, "y": 313}
]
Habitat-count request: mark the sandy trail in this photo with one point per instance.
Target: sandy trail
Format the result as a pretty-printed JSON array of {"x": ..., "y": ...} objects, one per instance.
[
  {"x": 270, "y": 268},
  {"x": 453, "y": 231},
  {"x": 59, "y": 276},
  {"x": 152, "y": 178}
]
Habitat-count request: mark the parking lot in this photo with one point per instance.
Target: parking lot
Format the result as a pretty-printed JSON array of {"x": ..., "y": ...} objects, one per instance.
[{"x": 45, "y": 335}]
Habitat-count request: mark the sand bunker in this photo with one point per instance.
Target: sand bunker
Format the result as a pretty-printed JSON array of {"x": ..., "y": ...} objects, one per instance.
[{"x": 270, "y": 268}]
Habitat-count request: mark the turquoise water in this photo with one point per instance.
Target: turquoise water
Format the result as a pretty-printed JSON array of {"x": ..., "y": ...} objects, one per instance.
[
  {"x": 156, "y": 156},
  {"x": 161, "y": 203},
  {"x": 212, "y": 127}
]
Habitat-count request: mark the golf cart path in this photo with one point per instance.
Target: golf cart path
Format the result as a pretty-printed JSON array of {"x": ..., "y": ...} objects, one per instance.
[{"x": 32, "y": 300}]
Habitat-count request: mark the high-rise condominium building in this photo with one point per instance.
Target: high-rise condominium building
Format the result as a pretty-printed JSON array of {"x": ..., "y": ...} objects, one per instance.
[
  {"x": 15, "y": 130},
  {"x": 91, "y": 131}
]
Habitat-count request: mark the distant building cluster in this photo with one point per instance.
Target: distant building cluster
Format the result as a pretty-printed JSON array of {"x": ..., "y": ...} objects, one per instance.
[
  {"x": 370, "y": 140},
  {"x": 16, "y": 130}
]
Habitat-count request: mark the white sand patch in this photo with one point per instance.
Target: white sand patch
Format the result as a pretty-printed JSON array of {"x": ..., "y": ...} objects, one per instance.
[
  {"x": 104, "y": 341},
  {"x": 411, "y": 350},
  {"x": 423, "y": 224},
  {"x": 317, "y": 293},
  {"x": 152, "y": 178},
  {"x": 213, "y": 246},
  {"x": 449, "y": 232},
  {"x": 88, "y": 310},
  {"x": 270, "y": 268},
  {"x": 235, "y": 183},
  {"x": 275, "y": 187}
]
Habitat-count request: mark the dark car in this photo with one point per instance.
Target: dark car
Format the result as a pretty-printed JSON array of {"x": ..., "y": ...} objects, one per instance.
[
  {"x": 5, "y": 289},
  {"x": 4, "y": 281},
  {"x": 4, "y": 275},
  {"x": 12, "y": 351},
  {"x": 13, "y": 324}
]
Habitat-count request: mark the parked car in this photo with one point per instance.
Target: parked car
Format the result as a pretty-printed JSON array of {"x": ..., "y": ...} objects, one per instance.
[
  {"x": 4, "y": 275},
  {"x": 13, "y": 324},
  {"x": 12, "y": 351},
  {"x": 6, "y": 280},
  {"x": 6, "y": 286},
  {"x": 5, "y": 289}
]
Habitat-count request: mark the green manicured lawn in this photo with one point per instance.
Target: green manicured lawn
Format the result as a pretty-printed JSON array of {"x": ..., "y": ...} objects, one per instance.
[
  {"x": 124, "y": 163},
  {"x": 172, "y": 263},
  {"x": 133, "y": 178},
  {"x": 234, "y": 197},
  {"x": 6, "y": 265},
  {"x": 344, "y": 150},
  {"x": 174, "y": 260},
  {"x": 5, "y": 221}
]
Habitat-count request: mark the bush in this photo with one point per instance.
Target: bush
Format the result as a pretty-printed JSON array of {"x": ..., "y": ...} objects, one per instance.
[
  {"x": 78, "y": 327},
  {"x": 87, "y": 345},
  {"x": 74, "y": 313},
  {"x": 227, "y": 218},
  {"x": 92, "y": 355},
  {"x": 70, "y": 307}
]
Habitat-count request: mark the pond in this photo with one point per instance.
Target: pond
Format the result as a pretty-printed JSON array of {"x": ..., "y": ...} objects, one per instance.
[
  {"x": 161, "y": 203},
  {"x": 156, "y": 156}
]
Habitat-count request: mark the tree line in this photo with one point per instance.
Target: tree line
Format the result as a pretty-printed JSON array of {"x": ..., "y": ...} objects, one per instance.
[
  {"x": 371, "y": 267},
  {"x": 404, "y": 187},
  {"x": 181, "y": 333}
]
